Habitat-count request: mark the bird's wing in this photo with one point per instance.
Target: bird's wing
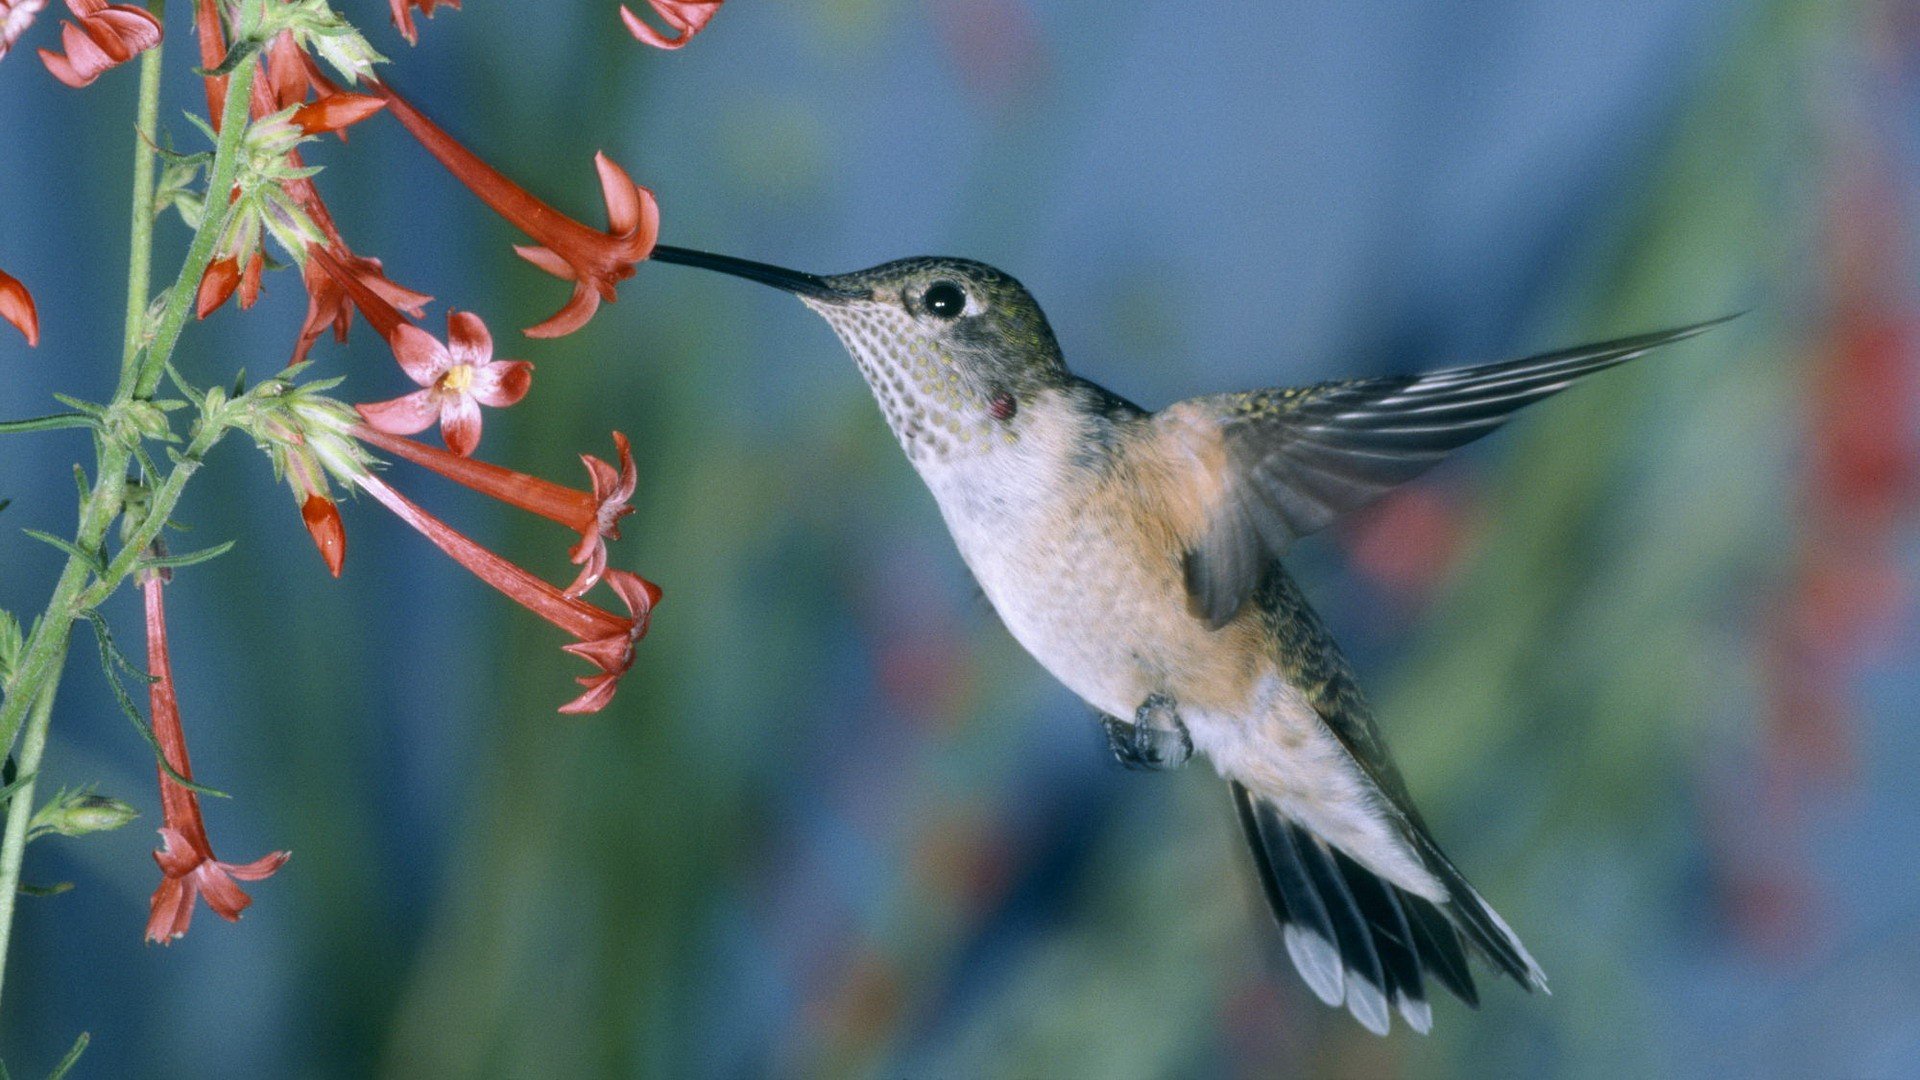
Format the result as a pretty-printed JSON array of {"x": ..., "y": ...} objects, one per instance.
[{"x": 1295, "y": 459}]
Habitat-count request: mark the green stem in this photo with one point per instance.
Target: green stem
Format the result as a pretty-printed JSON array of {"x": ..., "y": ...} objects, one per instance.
[
  {"x": 40, "y": 660},
  {"x": 140, "y": 254},
  {"x": 36, "y": 674},
  {"x": 19, "y": 809},
  {"x": 226, "y": 162}
]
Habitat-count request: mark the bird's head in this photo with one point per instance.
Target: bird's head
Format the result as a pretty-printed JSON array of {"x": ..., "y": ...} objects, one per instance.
[{"x": 953, "y": 350}]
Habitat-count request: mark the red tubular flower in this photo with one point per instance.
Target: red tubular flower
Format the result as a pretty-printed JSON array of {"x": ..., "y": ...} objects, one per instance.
[
  {"x": 403, "y": 15},
  {"x": 186, "y": 860},
  {"x": 594, "y": 514},
  {"x": 322, "y": 518},
  {"x": 15, "y": 17},
  {"x": 335, "y": 112},
  {"x": 16, "y": 306},
  {"x": 327, "y": 300},
  {"x": 455, "y": 379},
  {"x": 602, "y": 638},
  {"x": 106, "y": 36},
  {"x": 686, "y": 17},
  {"x": 594, "y": 261}
]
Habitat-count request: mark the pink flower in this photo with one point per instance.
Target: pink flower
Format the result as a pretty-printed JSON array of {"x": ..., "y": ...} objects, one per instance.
[
  {"x": 601, "y": 638},
  {"x": 16, "y": 307},
  {"x": 594, "y": 261},
  {"x": 594, "y": 514},
  {"x": 107, "y": 36},
  {"x": 455, "y": 379},
  {"x": 687, "y": 17},
  {"x": 187, "y": 866}
]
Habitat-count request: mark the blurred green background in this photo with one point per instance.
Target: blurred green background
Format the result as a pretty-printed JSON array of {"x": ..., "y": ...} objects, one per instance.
[{"x": 1646, "y": 657}]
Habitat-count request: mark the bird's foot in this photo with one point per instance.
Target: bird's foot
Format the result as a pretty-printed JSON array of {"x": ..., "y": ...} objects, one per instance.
[{"x": 1157, "y": 739}]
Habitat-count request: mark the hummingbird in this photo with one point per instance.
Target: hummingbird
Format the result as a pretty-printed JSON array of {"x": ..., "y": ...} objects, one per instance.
[{"x": 1136, "y": 556}]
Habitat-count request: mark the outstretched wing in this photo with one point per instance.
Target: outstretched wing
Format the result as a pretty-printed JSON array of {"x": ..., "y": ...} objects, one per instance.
[{"x": 1296, "y": 459}]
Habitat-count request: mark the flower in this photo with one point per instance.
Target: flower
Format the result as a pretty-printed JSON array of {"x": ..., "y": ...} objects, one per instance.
[
  {"x": 322, "y": 518},
  {"x": 455, "y": 379},
  {"x": 335, "y": 111},
  {"x": 15, "y": 17},
  {"x": 107, "y": 36},
  {"x": 594, "y": 514},
  {"x": 186, "y": 860},
  {"x": 601, "y": 638},
  {"x": 327, "y": 300},
  {"x": 403, "y": 15},
  {"x": 594, "y": 261},
  {"x": 688, "y": 17},
  {"x": 16, "y": 306}
]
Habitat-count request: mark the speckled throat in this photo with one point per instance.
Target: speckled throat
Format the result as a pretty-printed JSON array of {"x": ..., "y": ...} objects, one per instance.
[{"x": 935, "y": 408}]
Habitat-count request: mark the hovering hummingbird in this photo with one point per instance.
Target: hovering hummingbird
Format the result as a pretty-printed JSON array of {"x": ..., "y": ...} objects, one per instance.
[{"x": 1136, "y": 555}]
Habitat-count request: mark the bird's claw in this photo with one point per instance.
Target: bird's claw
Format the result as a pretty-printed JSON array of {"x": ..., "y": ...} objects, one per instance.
[{"x": 1157, "y": 739}]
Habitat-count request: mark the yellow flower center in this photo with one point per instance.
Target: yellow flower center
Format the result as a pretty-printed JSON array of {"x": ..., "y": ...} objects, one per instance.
[{"x": 458, "y": 378}]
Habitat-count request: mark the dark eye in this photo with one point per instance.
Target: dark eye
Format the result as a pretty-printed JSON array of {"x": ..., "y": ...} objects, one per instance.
[{"x": 945, "y": 300}]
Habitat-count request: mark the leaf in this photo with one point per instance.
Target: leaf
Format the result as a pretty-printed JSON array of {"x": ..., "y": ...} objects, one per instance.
[
  {"x": 237, "y": 55},
  {"x": 109, "y": 655},
  {"x": 169, "y": 562},
  {"x": 45, "y": 423},
  {"x": 16, "y": 784},
  {"x": 88, "y": 407},
  {"x": 54, "y": 889},
  {"x": 66, "y": 1063},
  {"x": 92, "y": 560}
]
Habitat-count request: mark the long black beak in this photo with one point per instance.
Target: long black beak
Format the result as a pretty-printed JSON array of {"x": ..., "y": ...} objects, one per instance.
[{"x": 792, "y": 281}]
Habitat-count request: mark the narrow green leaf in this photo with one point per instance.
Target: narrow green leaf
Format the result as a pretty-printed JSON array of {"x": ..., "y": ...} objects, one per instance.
[
  {"x": 237, "y": 55},
  {"x": 14, "y": 785},
  {"x": 73, "y": 1056},
  {"x": 54, "y": 889},
  {"x": 169, "y": 562},
  {"x": 68, "y": 546},
  {"x": 109, "y": 655},
  {"x": 46, "y": 423},
  {"x": 87, "y": 407}
]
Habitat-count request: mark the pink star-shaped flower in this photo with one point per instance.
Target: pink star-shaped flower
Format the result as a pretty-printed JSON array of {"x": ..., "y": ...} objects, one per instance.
[{"x": 455, "y": 379}]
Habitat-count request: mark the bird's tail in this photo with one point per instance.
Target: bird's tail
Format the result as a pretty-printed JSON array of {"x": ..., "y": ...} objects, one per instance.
[{"x": 1364, "y": 941}]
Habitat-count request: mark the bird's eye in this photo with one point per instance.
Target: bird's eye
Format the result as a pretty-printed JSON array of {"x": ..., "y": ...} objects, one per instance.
[{"x": 945, "y": 300}]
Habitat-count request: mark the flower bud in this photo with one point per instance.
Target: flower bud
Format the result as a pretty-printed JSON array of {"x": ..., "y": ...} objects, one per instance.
[{"x": 78, "y": 813}]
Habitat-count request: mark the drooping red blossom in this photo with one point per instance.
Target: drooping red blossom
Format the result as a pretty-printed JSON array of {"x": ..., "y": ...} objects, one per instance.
[
  {"x": 403, "y": 15},
  {"x": 685, "y": 17},
  {"x": 594, "y": 514},
  {"x": 16, "y": 306},
  {"x": 455, "y": 379},
  {"x": 106, "y": 36},
  {"x": 15, "y": 17},
  {"x": 601, "y": 638},
  {"x": 323, "y": 523},
  {"x": 327, "y": 301},
  {"x": 594, "y": 261},
  {"x": 187, "y": 864}
]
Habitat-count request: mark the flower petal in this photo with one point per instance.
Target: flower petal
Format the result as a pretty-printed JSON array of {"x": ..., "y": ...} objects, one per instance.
[
  {"x": 502, "y": 383},
  {"x": 468, "y": 340},
  {"x": 420, "y": 354},
  {"x": 600, "y": 690},
  {"x": 459, "y": 423},
  {"x": 408, "y": 414},
  {"x": 546, "y": 260},
  {"x": 260, "y": 868},
  {"x": 225, "y": 898},
  {"x": 579, "y": 309},
  {"x": 170, "y": 910}
]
